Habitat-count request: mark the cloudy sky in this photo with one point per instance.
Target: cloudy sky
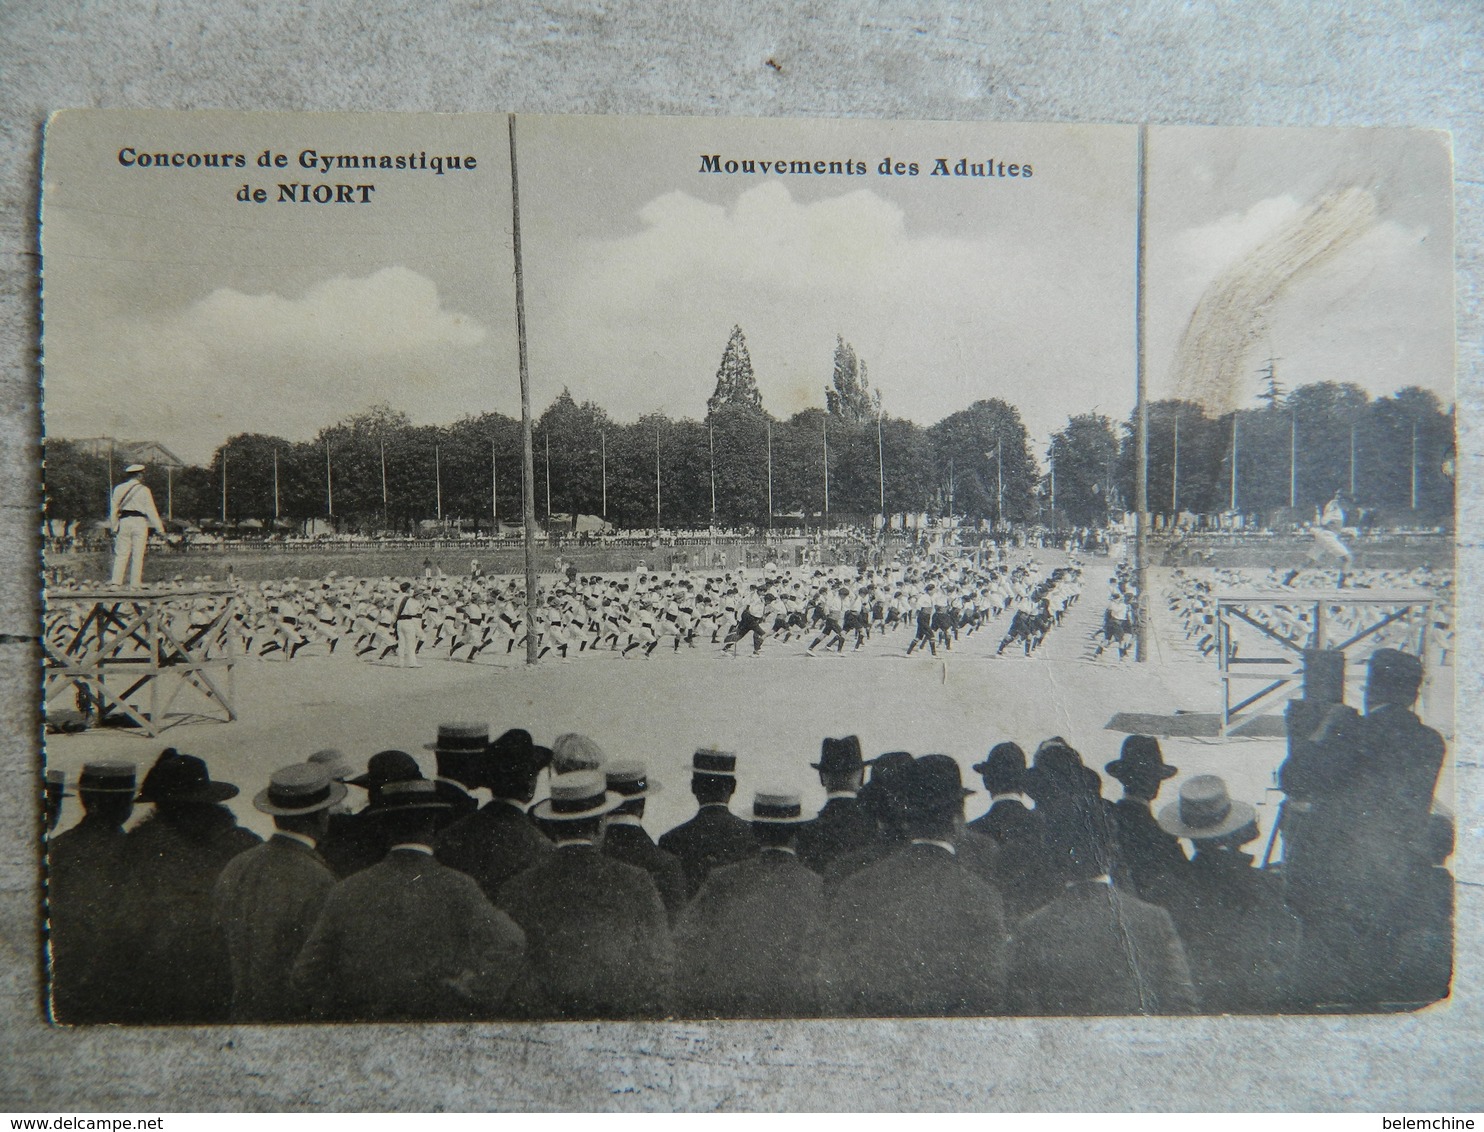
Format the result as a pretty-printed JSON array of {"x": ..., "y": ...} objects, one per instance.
[{"x": 175, "y": 313}]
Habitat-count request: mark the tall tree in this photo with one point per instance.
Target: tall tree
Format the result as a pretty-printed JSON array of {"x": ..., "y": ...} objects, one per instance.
[
  {"x": 1084, "y": 456},
  {"x": 849, "y": 396},
  {"x": 735, "y": 383}
]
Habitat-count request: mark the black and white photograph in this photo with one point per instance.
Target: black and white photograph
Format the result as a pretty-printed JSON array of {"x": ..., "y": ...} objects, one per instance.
[{"x": 545, "y": 568}]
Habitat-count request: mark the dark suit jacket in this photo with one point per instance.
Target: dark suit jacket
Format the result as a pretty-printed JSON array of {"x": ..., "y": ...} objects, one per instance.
[
  {"x": 598, "y": 938},
  {"x": 917, "y": 934},
  {"x": 1364, "y": 789},
  {"x": 714, "y": 837},
  {"x": 178, "y": 968},
  {"x": 1022, "y": 872},
  {"x": 1242, "y": 943},
  {"x": 1151, "y": 859},
  {"x": 748, "y": 945},
  {"x": 462, "y": 803},
  {"x": 410, "y": 939},
  {"x": 1098, "y": 950},
  {"x": 354, "y": 842},
  {"x": 492, "y": 845},
  {"x": 842, "y": 826},
  {"x": 632, "y": 845},
  {"x": 266, "y": 902},
  {"x": 82, "y": 892}
]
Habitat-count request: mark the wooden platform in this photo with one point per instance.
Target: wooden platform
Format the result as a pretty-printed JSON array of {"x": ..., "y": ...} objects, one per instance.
[{"x": 132, "y": 651}]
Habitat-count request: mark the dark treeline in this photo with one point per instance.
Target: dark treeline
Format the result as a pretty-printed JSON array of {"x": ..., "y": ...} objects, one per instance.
[{"x": 376, "y": 470}]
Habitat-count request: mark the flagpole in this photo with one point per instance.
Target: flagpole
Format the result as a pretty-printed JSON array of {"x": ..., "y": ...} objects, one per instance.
[
  {"x": 1235, "y": 416},
  {"x": 494, "y": 494},
  {"x": 1141, "y": 483},
  {"x": 825, "y": 429},
  {"x": 169, "y": 491},
  {"x": 769, "y": 425},
  {"x": 881, "y": 469},
  {"x": 528, "y": 457},
  {"x": 329, "y": 484},
  {"x": 438, "y": 482},
  {"x": 656, "y": 480},
  {"x": 224, "y": 487},
  {"x": 1175, "y": 469},
  {"x": 603, "y": 448},
  {"x": 546, "y": 436},
  {"x": 275, "y": 485},
  {"x": 385, "y": 509}
]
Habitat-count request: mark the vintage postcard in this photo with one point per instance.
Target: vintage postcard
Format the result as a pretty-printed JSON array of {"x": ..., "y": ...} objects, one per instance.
[{"x": 520, "y": 567}]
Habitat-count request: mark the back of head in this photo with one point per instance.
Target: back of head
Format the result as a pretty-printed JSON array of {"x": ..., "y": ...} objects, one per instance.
[{"x": 1392, "y": 677}]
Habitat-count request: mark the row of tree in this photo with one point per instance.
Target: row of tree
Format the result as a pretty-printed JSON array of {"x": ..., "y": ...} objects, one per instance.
[{"x": 377, "y": 471}]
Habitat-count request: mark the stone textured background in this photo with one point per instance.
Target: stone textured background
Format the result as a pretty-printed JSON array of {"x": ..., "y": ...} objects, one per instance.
[{"x": 1259, "y": 63}]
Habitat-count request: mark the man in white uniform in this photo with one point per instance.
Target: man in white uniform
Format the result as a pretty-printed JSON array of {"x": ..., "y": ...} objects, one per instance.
[{"x": 131, "y": 516}]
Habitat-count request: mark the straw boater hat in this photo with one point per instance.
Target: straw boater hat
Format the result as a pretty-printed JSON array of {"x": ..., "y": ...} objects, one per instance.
[
  {"x": 304, "y": 788},
  {"x": 778, "y": 809},
  {"x": 108, "y": 777},
  {"x": 1205, "y": 810},
  {"x": 708, "y": 760},
  {"x": 581, "y": 794},
  {"x": 631, "y": 780},
  {"x": 132, "y": 468},
  {"x": 460, "y": 739},
  {"x": 336, "y": 765}
]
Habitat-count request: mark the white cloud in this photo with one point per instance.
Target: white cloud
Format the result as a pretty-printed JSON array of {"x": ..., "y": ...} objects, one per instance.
[
  {"x": 234, "y": 362},
  {"x": 640, "y": 321}
]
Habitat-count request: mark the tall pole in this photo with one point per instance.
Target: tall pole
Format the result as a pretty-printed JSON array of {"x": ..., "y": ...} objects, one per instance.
[
  {"x": 1141, "y": 481},
  {"x": 950, "y": 486},
  {"x": 528, "y": 457},
  {"x": 438, "y": 482},
  {"x": 881, "y": 468},
  {"x": 109, "y": 501},
  {"x": 329, "y": 483},
  {"x": 1051, "y": 459},
  {"x": 1292, "y": 459},
  {"x": 656, "y": 480},
  {"x": 711, "y": 455},
  {"x": 385, "y": 508},
  {"x": 999, "y": 481},
  {"x": 224, "y": 485},
  {"x": 769, "y": 425},
  {"x": 603, "y": 449},
  {"x": 1175, "y": 471},
  {"x": 275, "y": 485},
  {"x": 1234, "y": 461},
  {"x": 494, "y": 494},
  {"x": 1352, "y": 461},
  {"x": 547, "y": 437},
  {"x": 169, "y": 491},
  {"x": 1414, "y": 465},
  {"x": 825, "y": 427}
]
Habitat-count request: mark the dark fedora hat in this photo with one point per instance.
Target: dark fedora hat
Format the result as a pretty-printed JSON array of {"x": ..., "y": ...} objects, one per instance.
[
  {"x": 303, "y": 788},
  {"x": 933, "y": 782},
  {"x": 1058, "y": 770},
  {"x": 1140, "y": 759},
  {"x": 1205, "y": 810},
  {"x": 387, "y": 766},
  {"x": 1003, "y": 758},
  {"x": 838, "y": 756},
  {"x": 108, "y": 777},
  {"x": 517, "y": 746},
  {"x": 1391, "y": 671},
  {"x": 183, "y": 778},
  {"x": 409, "y": 794}
]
